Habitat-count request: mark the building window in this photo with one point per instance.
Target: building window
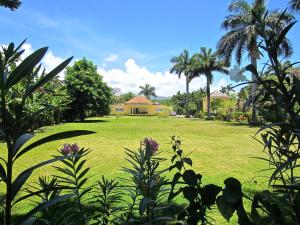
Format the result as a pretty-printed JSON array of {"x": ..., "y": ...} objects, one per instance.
[
  {"x": 119, "y": 109},
  {"x": 159, "y": 109}
]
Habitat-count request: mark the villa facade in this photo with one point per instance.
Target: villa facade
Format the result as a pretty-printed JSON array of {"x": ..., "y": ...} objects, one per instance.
[
  {"x": 217, "y": 95},
  {"x": 139, "y": 105}
]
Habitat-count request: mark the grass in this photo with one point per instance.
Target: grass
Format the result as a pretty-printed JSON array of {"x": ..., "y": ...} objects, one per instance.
[{"x": 218, "y": 149}]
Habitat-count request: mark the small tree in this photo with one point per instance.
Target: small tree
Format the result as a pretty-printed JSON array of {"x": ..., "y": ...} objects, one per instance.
[
  {"x": 147, "y": 91},
  {"x": 87, "y": 89}
]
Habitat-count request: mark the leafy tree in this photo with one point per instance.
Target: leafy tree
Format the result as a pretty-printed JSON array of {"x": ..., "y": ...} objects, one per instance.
[
  {"x": 56, "y": 98},
  {"x": 11, "y": 4},
  {"x": 147, "y": 91},
  {"x": 205, "y": 63},
  {"x": 242, "y": 35},
  {"x": 121, "y": 98},
  {"x": 226, "y": 89},
  {"x": 196, "y": 97},
  {"x": 90, "y": 95},
  {"x": 180, "y": 66}
]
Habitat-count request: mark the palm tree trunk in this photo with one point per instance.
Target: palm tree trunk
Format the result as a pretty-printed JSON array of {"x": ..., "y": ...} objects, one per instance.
[
  {"x": 253, "y": 91},
  {"x": 208, "y": 96},
  {"x": 187, "y": 97}
]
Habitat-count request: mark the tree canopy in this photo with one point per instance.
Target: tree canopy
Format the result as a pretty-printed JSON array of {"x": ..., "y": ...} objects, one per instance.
[
  {"x": 11, "y": 4},
  {"x": 90, "y": 95}
]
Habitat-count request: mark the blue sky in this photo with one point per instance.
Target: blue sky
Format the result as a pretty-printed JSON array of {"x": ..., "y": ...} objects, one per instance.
[{"x": 130, "y": 41}]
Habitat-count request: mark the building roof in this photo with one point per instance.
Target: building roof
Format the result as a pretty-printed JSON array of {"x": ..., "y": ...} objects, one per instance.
[
  {"x": 218, "y": 94},
  {"x": 140, "y": 100}
]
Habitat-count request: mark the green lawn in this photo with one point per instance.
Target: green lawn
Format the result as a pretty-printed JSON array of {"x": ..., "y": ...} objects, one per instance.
[{"x": 219, "y": 149}]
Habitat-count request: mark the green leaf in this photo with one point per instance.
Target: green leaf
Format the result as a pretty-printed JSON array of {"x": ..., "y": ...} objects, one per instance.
[
  {"x": 190, "y": 177},
  {"x": 225, "y": 208},
  {"x": 283, "y": 34},
  {"x": 25, "y": 67},
  {"x": 48, "y": 77},
  {"x": 2, "y": 172},
  {"x": 188, "y": 161},
  {"x": 190, "y": 193},
  {"x": 54, "y": 137},
  {"x": 9, "y": 51},
  {"x": 20, "y": 142}
]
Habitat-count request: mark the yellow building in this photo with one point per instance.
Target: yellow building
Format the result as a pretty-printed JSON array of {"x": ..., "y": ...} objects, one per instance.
[
  {"x": 139, "y": 105},
  {"x": 225, "y": 102}
]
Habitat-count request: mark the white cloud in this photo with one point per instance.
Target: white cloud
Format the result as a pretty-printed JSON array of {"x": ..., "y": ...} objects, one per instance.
[
  {"x": 50, "y": 61},
  {"x": 28, "y": 50},
  {"x": 111, "y": 58},
  {"x": 166, "y": 84}
]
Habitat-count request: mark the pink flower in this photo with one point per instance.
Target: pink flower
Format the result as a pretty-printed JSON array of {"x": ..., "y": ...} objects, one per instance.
[
  {"x": 151, "y": 145},
  {"x": 70, "y": 149},
  {"x": 75, "y": 148},
  {"x": 66, "y": 150}
]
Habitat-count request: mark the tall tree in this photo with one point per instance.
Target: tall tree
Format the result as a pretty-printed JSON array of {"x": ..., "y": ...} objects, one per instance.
[
  {"x": 242, "y": 35},
  {"x": 205, "y": 63},
  {"x": 227, "y": 89},
  {"x": 180, "y": 66},
  {"x": 147, "y": 91},
  {"x": 87, "y": 89}
]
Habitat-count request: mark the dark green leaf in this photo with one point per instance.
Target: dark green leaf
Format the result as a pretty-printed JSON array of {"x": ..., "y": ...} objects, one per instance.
[
  {"x": 209, "y": 194},
  {"x": 48, "y": 77},
  {"x": 2, "y": 172},
  {"x": 188, "y": 161},
  {"x": 25, "y": 67},
  {"x": 190, "y": 193},
  {"x": 233, "y": 190},
  {"x": 20, "y": 142},
  {"x": 190, "y": 177},
  {"x": 225, "y": 208}
]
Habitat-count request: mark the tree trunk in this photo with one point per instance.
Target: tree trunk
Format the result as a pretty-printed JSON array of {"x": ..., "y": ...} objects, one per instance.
[
  {"x": 208, "y": 96},
  {"x": 254, "y": 88},
  {"x": 187, "y": 97}
]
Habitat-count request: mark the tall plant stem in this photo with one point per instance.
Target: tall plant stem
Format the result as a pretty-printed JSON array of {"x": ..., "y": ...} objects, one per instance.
[{"x": 253, "y": 90}]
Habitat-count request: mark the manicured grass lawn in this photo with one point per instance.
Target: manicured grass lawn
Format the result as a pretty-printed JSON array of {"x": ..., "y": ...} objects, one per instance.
[{"x": 219, "y": 149}]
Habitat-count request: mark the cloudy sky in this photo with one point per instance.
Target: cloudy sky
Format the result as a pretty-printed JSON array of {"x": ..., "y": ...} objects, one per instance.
[{"x": 131, "y": 42}]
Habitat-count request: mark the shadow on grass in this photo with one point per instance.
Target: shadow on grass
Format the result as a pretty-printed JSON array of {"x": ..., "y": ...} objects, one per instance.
[
  {"x": 91, "y": 121},
  {"x": 241, "y": 124}
]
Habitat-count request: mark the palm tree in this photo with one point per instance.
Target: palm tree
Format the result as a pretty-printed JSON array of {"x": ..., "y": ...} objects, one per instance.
[
  {"x": 180, "y": 66},
  {"x": 205, "y": 63},
  {"x": 295, "y": 4},
  {"x": 242, "y": 35},
  {"x": 147, "y": 91}
]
